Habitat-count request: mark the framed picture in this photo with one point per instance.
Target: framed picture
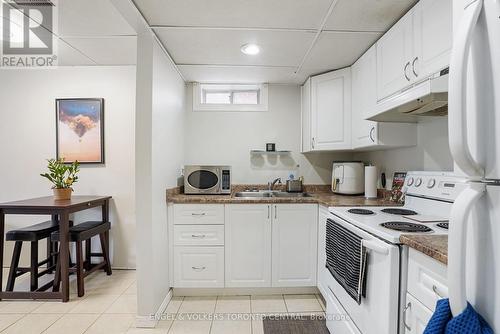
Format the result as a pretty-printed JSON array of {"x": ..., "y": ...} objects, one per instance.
[{"x": 80, "y": 130}]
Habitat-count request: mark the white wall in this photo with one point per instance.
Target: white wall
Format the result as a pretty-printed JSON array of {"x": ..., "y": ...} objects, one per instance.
[
  {"x": 431, "y": 154},
  {"x": 226, "y": 138},
  {"x": 28, "y": 137},
  {"x": 159, "y": 153}
]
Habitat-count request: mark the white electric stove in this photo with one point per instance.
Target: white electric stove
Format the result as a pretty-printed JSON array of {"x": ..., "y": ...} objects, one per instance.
[{"x": 428, "y": 201}]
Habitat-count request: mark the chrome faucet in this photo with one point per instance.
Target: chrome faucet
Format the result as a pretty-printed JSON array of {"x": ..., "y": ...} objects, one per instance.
[{"x": 270, "y": 185}]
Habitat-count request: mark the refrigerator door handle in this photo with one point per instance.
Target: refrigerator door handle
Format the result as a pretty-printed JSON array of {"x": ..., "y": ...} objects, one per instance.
[
  {"x": 457, "y": 245},
  {"x": 457, "y": 117}
]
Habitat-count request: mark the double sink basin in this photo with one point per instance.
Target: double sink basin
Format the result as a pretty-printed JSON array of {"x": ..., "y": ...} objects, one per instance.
[{"x": 268, "y": 194}]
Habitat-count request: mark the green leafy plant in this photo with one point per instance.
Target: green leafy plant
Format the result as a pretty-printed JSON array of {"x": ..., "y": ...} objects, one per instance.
[{"x": 60, "y": 174}]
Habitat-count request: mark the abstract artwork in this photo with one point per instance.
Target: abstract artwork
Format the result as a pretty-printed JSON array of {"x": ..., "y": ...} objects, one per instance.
[{"x": 80, "y": 130}]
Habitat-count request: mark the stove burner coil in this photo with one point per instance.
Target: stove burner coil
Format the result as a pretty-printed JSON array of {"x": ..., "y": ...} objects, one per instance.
[
  {"x": 401, "y": 212},
  {"x": 406, "y": 227},
  {"x": 443, "y": 225},
  {"x": 361, "y": 211}
]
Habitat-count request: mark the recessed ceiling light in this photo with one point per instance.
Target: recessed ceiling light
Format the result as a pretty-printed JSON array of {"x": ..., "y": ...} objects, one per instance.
[{"x": 250, "y": 49}]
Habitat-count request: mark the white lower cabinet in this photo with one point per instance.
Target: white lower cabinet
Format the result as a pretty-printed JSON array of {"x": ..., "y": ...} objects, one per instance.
[
  {"x": 248, "y": 245},
  {"x": 199, "y": 267},
  {"x": 416, "y": 315},
  {"x": 294, "y": 245}
]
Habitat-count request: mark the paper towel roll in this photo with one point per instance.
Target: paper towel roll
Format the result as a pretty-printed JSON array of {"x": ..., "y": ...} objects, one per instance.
[{"x": 371, "y": 182}]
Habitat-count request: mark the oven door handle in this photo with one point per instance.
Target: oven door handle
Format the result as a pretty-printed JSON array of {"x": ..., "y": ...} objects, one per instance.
[{"x": 371, "y": 245}]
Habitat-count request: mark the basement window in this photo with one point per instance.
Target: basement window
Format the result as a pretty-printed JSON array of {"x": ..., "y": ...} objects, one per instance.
[{"x": 225, "y": 97}]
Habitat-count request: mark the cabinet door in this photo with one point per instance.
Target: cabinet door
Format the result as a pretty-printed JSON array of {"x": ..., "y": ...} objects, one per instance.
[
  {"x": 199, "y": 267},
  {"x": 248, "y": 245},
  {"x": 416, "y": 316},
  {"x": 364, "y": 99},
  {"x": 433, "y": 34},
  {"x": 294, "y": 245},
  {"x": 306, "y": 116},
  {"x": 331, "y": 110},
  {"x": 394, "y": 54}
]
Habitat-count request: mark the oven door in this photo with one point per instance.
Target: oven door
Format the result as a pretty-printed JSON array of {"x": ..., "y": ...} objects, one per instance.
[
  {"x": 378, "y": 311},
  {"x": 202, "y": 180}
]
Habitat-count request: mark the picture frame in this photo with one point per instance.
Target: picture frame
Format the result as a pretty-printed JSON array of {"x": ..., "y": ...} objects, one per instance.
[{"x": 80, "y": 130}]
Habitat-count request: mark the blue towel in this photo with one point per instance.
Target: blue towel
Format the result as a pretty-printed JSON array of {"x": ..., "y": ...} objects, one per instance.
[{"x": 468, "y": 322}]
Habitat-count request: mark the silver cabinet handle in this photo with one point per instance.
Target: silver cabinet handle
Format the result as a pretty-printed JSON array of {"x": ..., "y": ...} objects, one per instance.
[
  {"x": 275, "y": 212},
  {"x": 199, "y": 268},
  {"x": 198, "y": 236},
  {"x": 268, "y": 212},
  {"x": 372, "y": 130},
  {"x": 312, "y": 143},
  {"x": 413, "y": 66},
  {"x": 407, "y": 307},
  {"x": 198, "y": 214},
  {"x": 434, "y": 288},
  {"x": 405, "y": 70}
]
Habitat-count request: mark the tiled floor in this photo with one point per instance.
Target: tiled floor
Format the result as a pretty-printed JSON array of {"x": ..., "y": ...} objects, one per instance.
[{"x": 110, "y": 305}]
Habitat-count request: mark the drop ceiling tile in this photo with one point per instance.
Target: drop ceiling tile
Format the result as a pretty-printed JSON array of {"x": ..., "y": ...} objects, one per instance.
[
  {"x": 240, "y": 74},
  {"x": 235, "y": 13},
  {"x": 107, "y": 50},
  {"x": 335, "y": 50},
  {"x": 69, "y": 56},
  {"x": 222, "y": 46},
  {"x": 90, "y": 18},
  {"x": 367, "y": 15}
]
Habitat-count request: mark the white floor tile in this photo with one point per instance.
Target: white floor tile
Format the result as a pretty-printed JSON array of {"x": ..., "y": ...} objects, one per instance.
[
  {"x": 174, "y": 305},
  {"x": 302, "y": 303},
  {"x": 20, "y": 306},
  {"x": 257, "y": 326},
  {"x": 8, "y": 319},
  {"x": 190, "y": 327},
  {"x": 32, "y": 324},
  {"x": 72, "y": 323},
  {"x": 95, "y": 303},
  {"x": 231, "y": 327},
  {"x": 124, "y": 304},
  {"x": 56, "y": 307},
  {"x": 268, "y": 304},
  {"x": 233, "y": 304},
  {"x": 198, "y": 305},
  {"x": 111, "y": 324}
]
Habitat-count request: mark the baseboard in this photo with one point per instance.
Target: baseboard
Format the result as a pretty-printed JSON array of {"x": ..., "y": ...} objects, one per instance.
[
  {"x": 243, "y": 291},
  {"x": 150, "y": 321}
]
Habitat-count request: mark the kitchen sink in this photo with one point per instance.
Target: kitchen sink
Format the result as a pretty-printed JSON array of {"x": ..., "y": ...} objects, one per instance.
[{"x": 267, "y": 194}]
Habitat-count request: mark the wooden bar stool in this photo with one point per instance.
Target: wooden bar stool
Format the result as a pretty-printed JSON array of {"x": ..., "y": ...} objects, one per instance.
[
  {"x": 32, "y": 234},
  {"x": 84, "y": 267}
]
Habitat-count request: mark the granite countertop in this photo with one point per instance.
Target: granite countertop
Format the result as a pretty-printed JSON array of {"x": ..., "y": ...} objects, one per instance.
[
  {"x": 319, "y": 195},
  {"x": 435, "y": 246}
]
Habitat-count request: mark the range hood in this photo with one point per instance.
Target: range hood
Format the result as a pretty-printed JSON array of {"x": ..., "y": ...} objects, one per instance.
[{"x": 427, "y": 98}]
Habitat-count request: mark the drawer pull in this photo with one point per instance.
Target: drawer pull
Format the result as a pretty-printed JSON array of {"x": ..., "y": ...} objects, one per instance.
[
  {"x": 199, "y": 268},
  {"x": 198, "y": 214},
  {"x": 198, "y": 236},
  {"x": 407, "y": 307},
  {"x": 435, "y": 289}
]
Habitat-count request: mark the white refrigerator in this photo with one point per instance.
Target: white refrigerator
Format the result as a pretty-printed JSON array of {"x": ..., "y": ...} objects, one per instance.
[{"x": 474, "y": 134}]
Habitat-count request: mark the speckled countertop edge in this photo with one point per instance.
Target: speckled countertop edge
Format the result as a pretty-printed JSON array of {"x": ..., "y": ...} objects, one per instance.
[{"x": 435, "y": 246}]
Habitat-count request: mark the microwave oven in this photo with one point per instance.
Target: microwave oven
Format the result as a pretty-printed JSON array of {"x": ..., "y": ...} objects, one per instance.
[{"x": 207, "y": 179}]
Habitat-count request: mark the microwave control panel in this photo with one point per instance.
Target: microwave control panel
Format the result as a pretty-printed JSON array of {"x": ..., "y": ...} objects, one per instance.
[{"x": 226, "y": 179}]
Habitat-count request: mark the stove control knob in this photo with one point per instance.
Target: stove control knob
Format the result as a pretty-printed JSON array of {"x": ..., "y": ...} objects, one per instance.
[
  {"x": 431, "y": 183},
  {"x": 410, "y": 181},
  {"x": 418, "y": 182}
]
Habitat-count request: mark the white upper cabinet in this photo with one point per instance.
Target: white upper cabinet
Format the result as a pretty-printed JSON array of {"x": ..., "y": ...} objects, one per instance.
[
  {"x": 294, "y": 245},
  {"x": 433, "y": 31},
  {"x": 394, "y": 51},
  {"x": 331, "y": 111},
  {"x": 306, "y": 116},
  {"x": 364, "y": 99},
  {"x": 367, "y": 135},
  {"x": 416, "y": 47}
]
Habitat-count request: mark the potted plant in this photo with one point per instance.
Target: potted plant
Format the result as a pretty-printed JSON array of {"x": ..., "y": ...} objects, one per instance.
[{"x": 62, "y": 177}]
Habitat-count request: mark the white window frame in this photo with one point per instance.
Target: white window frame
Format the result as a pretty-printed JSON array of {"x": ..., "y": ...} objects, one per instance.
[{"x": 262, "y": 98}]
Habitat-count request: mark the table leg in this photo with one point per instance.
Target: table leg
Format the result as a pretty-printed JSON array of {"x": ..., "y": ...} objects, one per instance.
[
  {"x": 2, "y": 230},
  {"x": 63, "y": 254}
]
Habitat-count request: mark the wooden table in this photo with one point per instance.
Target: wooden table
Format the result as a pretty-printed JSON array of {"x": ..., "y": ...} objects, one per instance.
[{"x": 59, "y": 211}]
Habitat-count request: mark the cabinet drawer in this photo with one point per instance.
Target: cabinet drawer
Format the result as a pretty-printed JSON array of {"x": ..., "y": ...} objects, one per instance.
[
  {"x": 199, "y": 235},
  {"x": 199, "y": 267},
  {"x": 426, "y": 279},
  {"x": 212, "y": 214},
  {"x": 416, "y": 316}
]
